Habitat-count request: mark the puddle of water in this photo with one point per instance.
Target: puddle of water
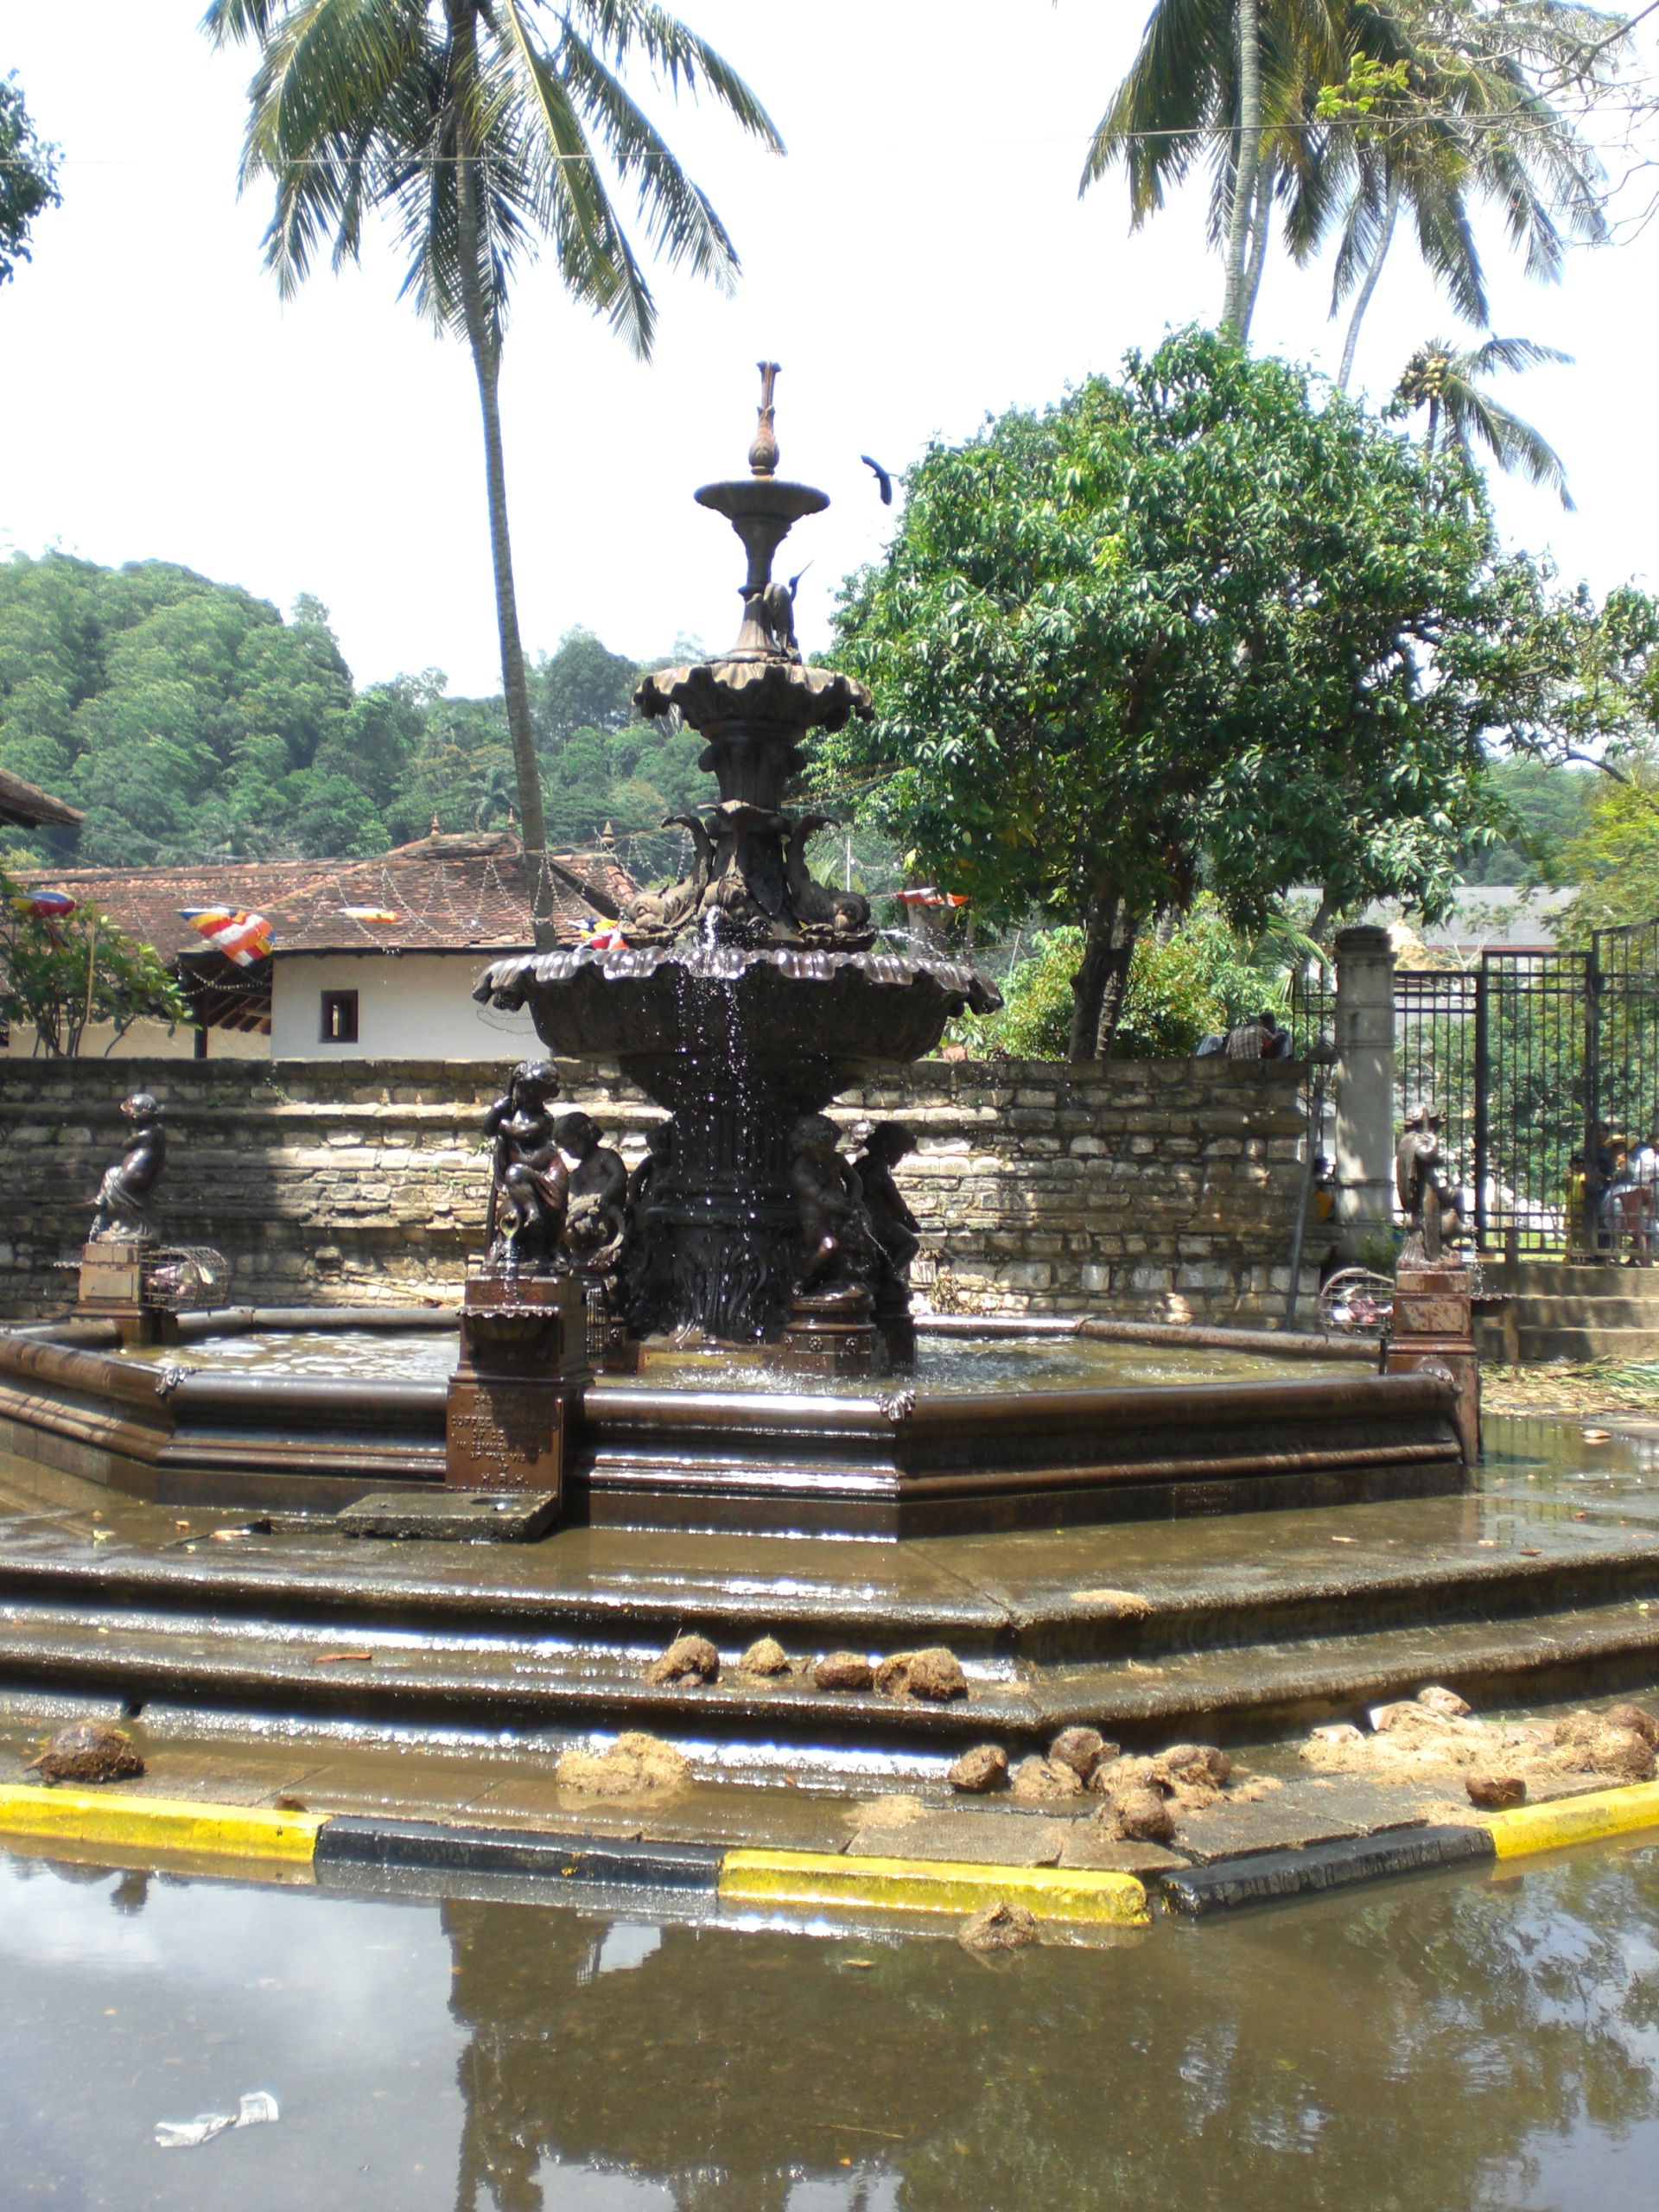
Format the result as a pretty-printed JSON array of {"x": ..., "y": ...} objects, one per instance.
[
  {"x": 955, "y": 1363},
  {"x": 1454, "y": 2042}
]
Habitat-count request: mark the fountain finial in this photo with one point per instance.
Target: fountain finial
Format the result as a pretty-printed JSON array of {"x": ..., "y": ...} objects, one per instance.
[{"x": 763, "y": 454}]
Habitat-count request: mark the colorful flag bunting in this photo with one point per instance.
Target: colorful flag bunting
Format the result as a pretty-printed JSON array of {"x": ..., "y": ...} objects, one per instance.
[
  {"x": 927, "y": 896},
  {"x": 44, "y": 905},
  {"x": 371, "y": 914},
  {"x": 240, "y": 936}
]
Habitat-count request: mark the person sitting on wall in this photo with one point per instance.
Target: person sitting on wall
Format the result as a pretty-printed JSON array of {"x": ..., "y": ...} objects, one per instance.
[
  {"x": 122, "y": 1204},
  {"x": 1261, "y": 1039},
  {"x": 530, "y": 1184}
]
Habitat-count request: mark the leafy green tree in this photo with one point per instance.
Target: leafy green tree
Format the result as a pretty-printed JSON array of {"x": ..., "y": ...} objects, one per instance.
[
  {"x": 1184, "y": 629},
  {"x": 581, "y": 685},
  {"x": 1440, "y": 380},
  {"x": 28, "y": 177},
  {"x": 1546, "y": 807},
  {"x": 60, "y": 978},
  {"x": 483, "y": 129}
]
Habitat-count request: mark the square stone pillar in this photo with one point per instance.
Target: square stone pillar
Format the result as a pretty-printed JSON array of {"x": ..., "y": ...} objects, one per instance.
[
  {"x": 1364, "y": 1089},
  {"x": 523, "y": 1365}
]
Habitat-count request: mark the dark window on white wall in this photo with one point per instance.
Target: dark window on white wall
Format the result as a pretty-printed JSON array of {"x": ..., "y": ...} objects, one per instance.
[{"x": 339, "y": 1017}]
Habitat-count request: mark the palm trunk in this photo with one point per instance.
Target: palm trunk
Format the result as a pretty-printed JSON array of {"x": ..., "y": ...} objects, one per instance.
[
  {"x": 1247, "y": 156},
  {"x": 1260, "y": 230},
  {"x": 1097, "y": 989},
  {"x": 1385, "y": 238},
  {"x": 1432, "y": 434},
  {"x": 483, "y": 339}
]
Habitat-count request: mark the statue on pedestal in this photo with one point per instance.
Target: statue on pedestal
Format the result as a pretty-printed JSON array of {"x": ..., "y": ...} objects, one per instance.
[
  {"x": 1435, "y": 1217},
  {"x": 840, "y": 1257},
  {"x": 596, "y": 1223},
  {"x": 123, "y": 1205},
  {"x": 530, "y": 1184}
]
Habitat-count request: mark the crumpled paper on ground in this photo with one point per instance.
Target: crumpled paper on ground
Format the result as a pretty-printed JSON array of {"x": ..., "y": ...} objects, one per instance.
[{"x": 257, "y": 2108}]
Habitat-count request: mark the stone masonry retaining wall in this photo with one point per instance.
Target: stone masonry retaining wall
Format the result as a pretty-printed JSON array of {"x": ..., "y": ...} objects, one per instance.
[{"x": 1159, "y": 1189}]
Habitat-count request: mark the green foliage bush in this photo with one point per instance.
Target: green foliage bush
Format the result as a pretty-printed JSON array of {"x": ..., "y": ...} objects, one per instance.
[{"x": 1196, "y": 979}]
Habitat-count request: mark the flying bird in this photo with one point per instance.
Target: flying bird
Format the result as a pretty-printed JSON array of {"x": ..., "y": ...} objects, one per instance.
[{"x": 881, "y": 477}]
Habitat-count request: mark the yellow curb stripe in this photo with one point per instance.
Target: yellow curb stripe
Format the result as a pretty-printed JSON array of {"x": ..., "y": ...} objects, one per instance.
[
  {"x": 1574, "y": 1820},
  {"x": 811, "y": 1878},
  {"x": 159, "y": 1823}
]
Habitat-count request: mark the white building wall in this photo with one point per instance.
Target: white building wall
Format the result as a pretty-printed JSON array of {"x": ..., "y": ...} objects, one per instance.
[
  {"x": 410, "y": 1005},
  {"x": 149, "y": 1040}
]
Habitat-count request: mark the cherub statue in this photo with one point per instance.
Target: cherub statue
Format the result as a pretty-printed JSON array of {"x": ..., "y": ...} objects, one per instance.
[
  {"x": 596, "y": 1222},
  {"x": 123, "y": 1203},
  {"x": 839, "y": 1252},
  {"x": 1435, "y": 1217},
  {"x": 530, "y": 1184},
  {"x": 897, "y": 1230}
]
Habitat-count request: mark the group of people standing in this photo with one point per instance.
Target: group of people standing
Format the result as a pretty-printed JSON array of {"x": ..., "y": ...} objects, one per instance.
[{"x": 1620, "y": 1220}]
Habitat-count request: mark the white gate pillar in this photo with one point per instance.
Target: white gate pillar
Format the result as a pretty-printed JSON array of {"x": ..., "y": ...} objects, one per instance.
[{"x": 1364, "y": 1087}]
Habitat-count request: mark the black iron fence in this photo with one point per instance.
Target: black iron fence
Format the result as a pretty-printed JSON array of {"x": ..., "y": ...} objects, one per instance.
[{"x": 1544, "y": 1066}]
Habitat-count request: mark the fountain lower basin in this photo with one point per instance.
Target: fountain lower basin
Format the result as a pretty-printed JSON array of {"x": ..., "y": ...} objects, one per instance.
[{"x": 662, "y": 1452}]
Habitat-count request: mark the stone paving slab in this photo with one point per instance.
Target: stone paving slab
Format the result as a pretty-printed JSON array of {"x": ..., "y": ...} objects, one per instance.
[
  {"x": 1302, "y": 1813},
  {"x": 970, "y": 1838}
]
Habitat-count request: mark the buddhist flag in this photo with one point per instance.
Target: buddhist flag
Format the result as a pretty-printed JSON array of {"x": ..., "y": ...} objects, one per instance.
[
  {"x": 927, "y": 896},
  {"x": 371, "y": 914},
  {"x": 43, "y": 905},
  {"x": 240, "y": 936}
]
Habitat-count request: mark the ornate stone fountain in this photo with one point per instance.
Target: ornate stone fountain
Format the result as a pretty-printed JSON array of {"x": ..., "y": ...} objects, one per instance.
[{"x": 745, "y": 995}]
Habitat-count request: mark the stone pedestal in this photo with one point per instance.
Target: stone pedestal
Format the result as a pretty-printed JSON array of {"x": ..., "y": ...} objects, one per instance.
[
  {"x": 523, "y": 1365},
  {"x": 1432, "y": 1331},
  {"x": 831, "y": 1336},
  {"x": 111, "y": 1287}
]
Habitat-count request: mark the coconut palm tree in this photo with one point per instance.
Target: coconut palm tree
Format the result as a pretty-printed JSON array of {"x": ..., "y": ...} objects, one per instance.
[
  {"x": 1260, "y": 83},
  {"x": 484, "y": 131},
  {"x": 1238, "y": 78},
  {"x": 1464, "y": 120},
  {"x": 1440, "y": 380}
]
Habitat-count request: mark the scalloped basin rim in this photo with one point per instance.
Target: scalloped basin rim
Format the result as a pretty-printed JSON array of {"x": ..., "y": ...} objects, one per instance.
[{"x": 727, "y": 963}]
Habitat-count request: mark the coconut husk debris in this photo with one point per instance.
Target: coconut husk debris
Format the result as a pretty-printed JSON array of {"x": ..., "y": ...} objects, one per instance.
[{"x": 1435, "y": 1736}]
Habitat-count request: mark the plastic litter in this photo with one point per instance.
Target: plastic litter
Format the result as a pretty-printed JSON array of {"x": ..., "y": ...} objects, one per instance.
[{"x": 255, "y": 2110}]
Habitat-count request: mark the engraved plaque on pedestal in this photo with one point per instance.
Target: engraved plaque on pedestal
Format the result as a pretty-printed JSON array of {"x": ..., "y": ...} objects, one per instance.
[{"x": 524, "y": 1364}]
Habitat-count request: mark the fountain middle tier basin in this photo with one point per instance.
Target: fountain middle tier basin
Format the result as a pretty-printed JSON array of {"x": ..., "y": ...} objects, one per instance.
[
  {"x": 738, "y": 1043},
  {"x": 984, "y": 1439}
]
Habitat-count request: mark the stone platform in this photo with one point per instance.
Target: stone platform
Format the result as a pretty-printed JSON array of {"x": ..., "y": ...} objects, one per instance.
[{"x": 1541, "y": 1583}]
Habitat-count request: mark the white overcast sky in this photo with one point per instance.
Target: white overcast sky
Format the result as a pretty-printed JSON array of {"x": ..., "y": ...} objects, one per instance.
[{"x": 919, "y": 258}]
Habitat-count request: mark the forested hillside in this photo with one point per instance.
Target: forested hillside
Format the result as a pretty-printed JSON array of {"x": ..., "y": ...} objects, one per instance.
[{"x": 191, "y": 721}]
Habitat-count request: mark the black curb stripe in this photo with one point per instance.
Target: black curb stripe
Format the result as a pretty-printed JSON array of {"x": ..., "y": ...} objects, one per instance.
[
  {"x": 347, "y": 1841},
  {"x": 1320, "y": 1867}
]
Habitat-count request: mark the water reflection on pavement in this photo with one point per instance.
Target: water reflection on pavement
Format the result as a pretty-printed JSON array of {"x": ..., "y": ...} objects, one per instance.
[{"x": 1455, "y": 2042}]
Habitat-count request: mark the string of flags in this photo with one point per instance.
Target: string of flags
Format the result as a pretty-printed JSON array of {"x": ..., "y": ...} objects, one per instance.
[
  {"x": 241, "y": 937},
  {"x": 43, "y": 905},
  {"x": 926, "y": 895}
]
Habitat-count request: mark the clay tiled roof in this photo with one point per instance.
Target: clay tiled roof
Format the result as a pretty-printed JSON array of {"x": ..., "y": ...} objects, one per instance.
[
  {"x": 450, "y": 894},
  {"x": 25, "y": 806}
]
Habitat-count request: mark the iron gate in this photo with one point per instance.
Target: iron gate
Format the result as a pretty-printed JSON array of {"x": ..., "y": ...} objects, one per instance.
[{"x": 1536, "y": 1061}]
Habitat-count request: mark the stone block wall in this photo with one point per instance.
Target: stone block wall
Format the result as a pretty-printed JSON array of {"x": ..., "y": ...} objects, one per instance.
[{"x": 1163, "y": 1189}]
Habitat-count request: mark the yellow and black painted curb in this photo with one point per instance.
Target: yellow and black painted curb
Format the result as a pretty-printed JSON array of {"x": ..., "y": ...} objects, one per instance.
[{"x": 252, "y": 1838}]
